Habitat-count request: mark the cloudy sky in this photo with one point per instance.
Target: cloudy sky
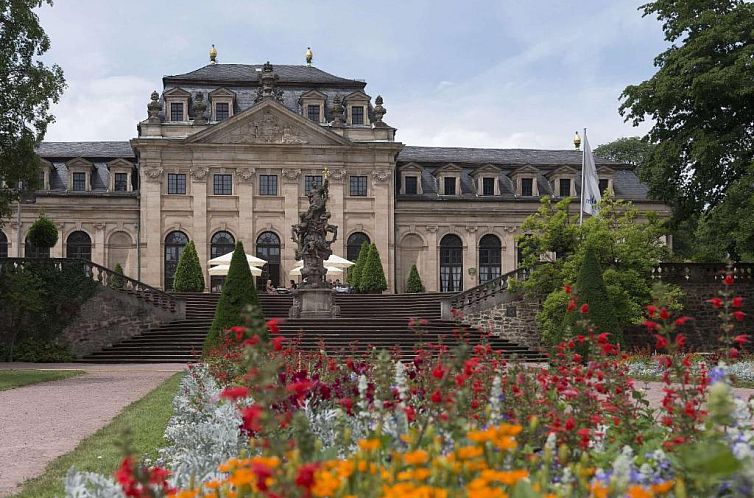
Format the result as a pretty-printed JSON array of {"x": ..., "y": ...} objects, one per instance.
[{"x": 505, "y": 73}]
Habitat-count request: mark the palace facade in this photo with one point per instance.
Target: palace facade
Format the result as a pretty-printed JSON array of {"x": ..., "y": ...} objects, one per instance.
[{"x": 229, "y": 151}]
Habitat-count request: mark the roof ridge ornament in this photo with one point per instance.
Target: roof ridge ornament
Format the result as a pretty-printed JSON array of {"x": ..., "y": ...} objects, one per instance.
[
  {"x": 213, "y": 55},
  {"x": 269, "y": 80},
  {"x": 309, "y": 56},
  {"x": 153, "y": 108},
  {"x": 379, "y": 112}
]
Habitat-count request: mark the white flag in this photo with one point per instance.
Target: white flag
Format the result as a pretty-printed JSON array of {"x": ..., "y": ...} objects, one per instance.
[{"x": 590, "y": 185}]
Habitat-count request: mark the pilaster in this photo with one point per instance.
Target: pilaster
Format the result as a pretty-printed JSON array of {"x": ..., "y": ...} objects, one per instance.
[{"x": 433, "y": 266}]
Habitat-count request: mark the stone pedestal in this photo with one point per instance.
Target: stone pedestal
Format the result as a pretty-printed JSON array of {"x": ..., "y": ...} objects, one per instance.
[{"x": 314, "y": 303}]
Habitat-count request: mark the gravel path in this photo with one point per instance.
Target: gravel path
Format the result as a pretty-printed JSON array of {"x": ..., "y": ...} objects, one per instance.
[{"x": 40, "y": 422}]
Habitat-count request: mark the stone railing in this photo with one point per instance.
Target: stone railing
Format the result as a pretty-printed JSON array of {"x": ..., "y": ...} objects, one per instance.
[
  {"x": 481, "y": 293},
  {"x": 107, "y": 278},
  {"x": 702, "y": 272}
]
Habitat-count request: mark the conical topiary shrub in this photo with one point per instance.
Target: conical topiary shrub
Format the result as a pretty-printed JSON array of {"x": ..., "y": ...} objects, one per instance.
[
  {"x": 43, "y": 233},
  {"x": 372, "y": 279},
  {"x": 189, "y": 276},
  {"x": 116, "y": 280},
  {"x": 414, "y": 284},
  {"x": 238, "y": 292},
  {"x": 354, "y": 273}
]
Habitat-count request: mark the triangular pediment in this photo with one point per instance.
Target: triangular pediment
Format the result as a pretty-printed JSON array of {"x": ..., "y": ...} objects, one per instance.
[
  {"x": 605, "y": 170},
  {"x": 79, "y": 162},
  {"x": 563, "y": 170},
  {"x": 313, "y": 94},
  {"x": 412, "y": 167},
  {"x": 358, "y": 95},
  {"x": 120, "y": 163},
  {"x": 487, "y": 169},
  {"x": 176, "y": 92},
  {"x": 222, "y": 92},
  {"x": 525, "y": 169},
  {"x": 267, "y": 123},
  {"x": 448, "y": 168}
]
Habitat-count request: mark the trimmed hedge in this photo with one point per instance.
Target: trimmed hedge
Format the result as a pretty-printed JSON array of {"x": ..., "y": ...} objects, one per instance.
[
  {"x": 354, "y": 273},
  {"x": 117, "y": 281},
  {"x": 372, "y": 278},
  {"x": 238, "y": 292},
  {"x": 43, "y": 233},
  {"x": 414, "y": 284},
  {"x": 189, "y": 276}
]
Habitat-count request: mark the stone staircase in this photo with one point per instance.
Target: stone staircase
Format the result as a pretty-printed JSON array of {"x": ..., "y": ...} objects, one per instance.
[{"x": 366, "y": 321}]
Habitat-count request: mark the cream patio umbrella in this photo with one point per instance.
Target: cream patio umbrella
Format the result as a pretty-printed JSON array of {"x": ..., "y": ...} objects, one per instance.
[
  {"x": 225, "y": 260},
  {"x": 333, "y": 262},
  {"x": 331, "y": 270},
  {"x": 222, "y": 270}
]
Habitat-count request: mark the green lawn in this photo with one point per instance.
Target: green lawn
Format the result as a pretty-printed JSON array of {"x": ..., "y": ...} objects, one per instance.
[
  {"x": 144, "y": 421},
  {"x": 17, "y": 378}
]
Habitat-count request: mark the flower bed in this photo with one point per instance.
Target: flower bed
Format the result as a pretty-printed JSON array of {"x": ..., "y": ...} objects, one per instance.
[{"x": 264, "y": 420}]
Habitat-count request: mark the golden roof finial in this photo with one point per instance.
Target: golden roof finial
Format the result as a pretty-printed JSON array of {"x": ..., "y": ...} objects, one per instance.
[
  {"x": 326, "y": 172},
  {"x": 309, "y": 56},
  {"x": 577, "y": 141},
  {"x": 213, "y": 55}
]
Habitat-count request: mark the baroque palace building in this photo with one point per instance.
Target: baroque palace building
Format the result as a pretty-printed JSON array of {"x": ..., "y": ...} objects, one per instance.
[{"x": 229, "y": 151}]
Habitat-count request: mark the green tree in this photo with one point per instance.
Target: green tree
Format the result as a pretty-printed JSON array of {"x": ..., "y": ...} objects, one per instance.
[
  {"x": 354, "y": 273},
  {"x": 23, "y": 298},
  {"x": 627, "y": 244},
  {"x": 701, "y": 104},
  {"x": 372, "y": 278},
  {"x": 189, "y": 276},
  {"x": 628, "y": 150},
  {"x": 43, "y": 233},
  {"x": 238, "y": 293},
  {"x": 414, "y": 284},
  {"x": 116, "y": 281},
  {"x": 29, "y": 87}
]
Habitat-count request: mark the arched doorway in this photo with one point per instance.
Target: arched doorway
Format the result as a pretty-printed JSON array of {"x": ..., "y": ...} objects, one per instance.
[
  {"x": 451, "y": 264},
  {"x": 354, "y": 243},
  {"x": 31, "y": 251},
  {"x": 489, "y": 258},
  {"x": 120, "y": 251},
  {"x": 268, "y": 248},
  {"x": 174, "y": 244},
  {"x": 3, "y": 245},
  {"x": 221, "y": 244},
  {"x": 79, "y": 246}
]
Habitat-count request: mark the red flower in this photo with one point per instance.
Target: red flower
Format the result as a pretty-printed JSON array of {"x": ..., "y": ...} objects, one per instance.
[
  {"x": 438, "y": 372},
  {"x": 662, "y": 342},
  {"x": 273, "y": 325},
  {"x": 602, "y": 338},
  {"x": 347, "y": 405},
  {"x": 277, "y": 343},
  {"x": 570, "y": 424},
  {"x": 741, "y": 339},
  {"x": 728, "y": 279},
  {"x": 733, "y": 353},
  {"x": 410, "y": 413},
  {"x": 305, "y": 476},
  {"x": 571, "y": 305},
  {"x": 300, "y": 388},
  {"x": 681, "y": 320},
  {"x": 567, "y": 288},
  {"x": 584, "y": 309},
  {"x": 739, "y": 315},
  {"x": 664, "y": 314},
  {"x": 239, "y": 331},
  {"x": 651, "y": 310},
  {"x": 680, "y": 340},
  {"x": 436, "y": 397},
  {"x": 737, "y": 301},
  {"x": 650, "y": 325},
  {"x": 263, "y": 472},
  {"x": 251, "y": 416},
  {"x": 716, "y": 302},
  {"x": 233, "y": 393},
  {"x": 460, "y": 379}
]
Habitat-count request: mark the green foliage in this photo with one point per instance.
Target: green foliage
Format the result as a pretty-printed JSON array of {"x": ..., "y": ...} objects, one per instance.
[
  {"x": 354, "y": 273},
  {"x": 701, "y": 104},
  {"x": 628, "y": 150},
  {"x": 626, "y": 244},
  {"x": 372, "y": 278},
  {"x": 238, "y": 293},
  {"x": 29, "y": 87},
  {"x": 35, "y": 351},
  {"x": 43, "y": 233},
  {"x": 414, "y": 284},
  {"x": 116, "y": 281},
  {"x": 189, "y": 276}
]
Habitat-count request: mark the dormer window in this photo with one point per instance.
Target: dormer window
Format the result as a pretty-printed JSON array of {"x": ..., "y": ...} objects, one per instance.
[
  {"x": 79, "y": 175},
  {"x": 44, "y": 175},
  {"x": 604, "y": 185},
  {"x": 449, "y": 185},
  {"x": 605, "y": 177},
  {"x": 357, "y": 105},
  {"x": 120, "y": 175},
  {"x": 176, "y": 104},
  {"x": 564, "y": 187},
  {"x": 488, "y": 186},
  {"x": 411, "y": 184},
  {"x": 176, "y": 111},
  {"x": 312, "y": 112},
  {"x": 410, "y": 176},
  {"x": 221, "y": 104},
  {"x": 527, "y": 187},
  {"x": 357, "y": 115},
  {"x": 78, "y": 183},
  {"x": 313, "y": 106}
]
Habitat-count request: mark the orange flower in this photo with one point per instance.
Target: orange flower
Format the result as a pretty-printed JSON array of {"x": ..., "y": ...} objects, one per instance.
[
  {"x": 369, "y": 444},
  {"x": 638, "y": 492}
]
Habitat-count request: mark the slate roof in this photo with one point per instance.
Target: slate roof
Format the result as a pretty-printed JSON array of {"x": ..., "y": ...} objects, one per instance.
[
  {"x": 245, "y": 74},
  {"x": 462, "y": 155},
  {"x": 87, "y": 150}
]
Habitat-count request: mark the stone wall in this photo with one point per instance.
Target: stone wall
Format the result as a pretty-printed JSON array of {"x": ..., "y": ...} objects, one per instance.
[
  {"x": 109, "y": 317},
  {"x": 509, "y": 316}
]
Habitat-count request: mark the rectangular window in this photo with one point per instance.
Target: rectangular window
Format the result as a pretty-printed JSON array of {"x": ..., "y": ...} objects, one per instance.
[
  {"x": 121, "y": 182},
  {"x": 268, "y": 185},
  {"x": 176, "y": 183},
  {"x": 412, "y": 184},
  {"x": 488, "y": 186},
  {"x": 358, "y": 186},
  {"x": 357, "y": 115},
  {"x": 223, "y": 184},
  {"x": 604, "y": 182},
  {"x": 41, "y": 180},
  {"x": 449, "y": 185},
  {"x": 565, "y": 187},
  {"x": 222, "y": 111},
  {"x": 527, "y": 187},
  {"x": 312, "y": 182},
  {"x": 176, "y": 111},
  {"x": 79, "y": 182},
  {"x": 312, "y": 112}
]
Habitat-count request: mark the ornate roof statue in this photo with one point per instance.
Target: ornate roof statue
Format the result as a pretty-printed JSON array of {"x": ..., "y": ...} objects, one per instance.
[
  {"x": 153, "y": 108},
  {"x": 213, "y": 55},
  {"x": 379, "y": 111},
  {"x": 309, "y": 56},
  {"x": 199, "y": 108}
]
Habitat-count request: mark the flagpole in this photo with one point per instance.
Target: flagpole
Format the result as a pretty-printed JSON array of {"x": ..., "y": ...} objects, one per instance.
[{"x": 583, "y": 165}]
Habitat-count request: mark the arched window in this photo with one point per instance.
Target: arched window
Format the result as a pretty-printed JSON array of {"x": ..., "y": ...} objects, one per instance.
[
  {"x": 174, "y": 244},
  {"x": 221, "y": 244},
  {"x": 353, "y": 245},
  {"x": 31, "y": 251},
  {"x": 489, "y": 258},
  {"x": 79, "y": 246},
  {"x": 121, "y": 251},
  {"x": 268, "y": 248},
  {"x": 3, "y": 245},
  {"x": 451, "y": 264}
]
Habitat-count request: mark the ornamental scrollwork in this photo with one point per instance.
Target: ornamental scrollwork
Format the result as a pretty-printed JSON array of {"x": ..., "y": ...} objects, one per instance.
[
  {"x": 381, "y": 176},
  {"x": 338, "y": 175},
  {"x": 247, "y": 174},
  {"x": 199, "y": 173},
  {"x": 291, "y": 175},
  {"x": 153, "y": 173}
]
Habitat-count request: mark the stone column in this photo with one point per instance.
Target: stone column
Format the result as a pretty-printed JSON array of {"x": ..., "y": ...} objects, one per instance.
[
  {"x": 470, "y": 258},
  {"x": 433, "y": 265},
  {"x": 98, "y": 251},
  {"x": 199, "y": 192},
  {"x": 14, "y": 248}
]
